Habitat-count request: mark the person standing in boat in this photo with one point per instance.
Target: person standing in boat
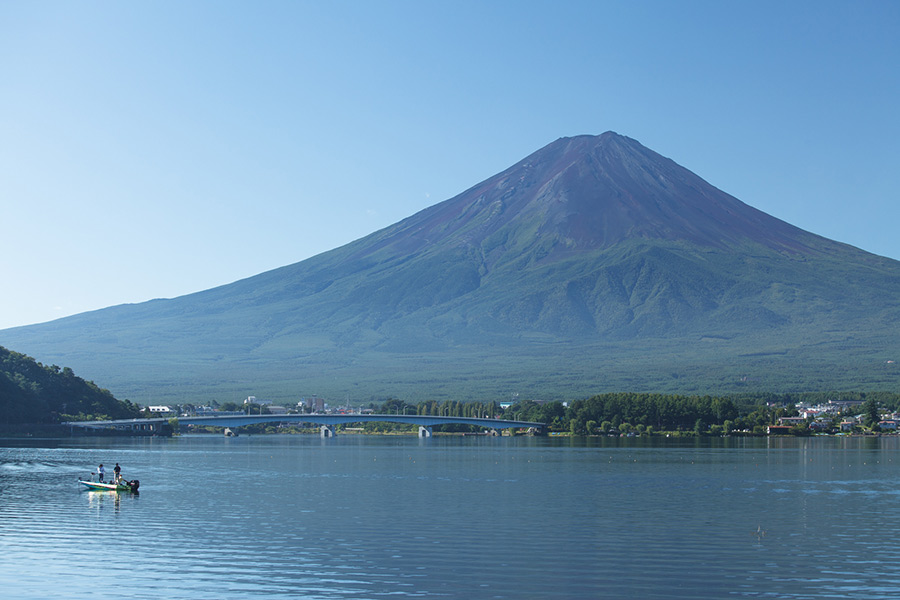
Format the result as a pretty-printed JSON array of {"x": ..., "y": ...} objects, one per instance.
[
  {"x": 118, "y": 471},
  {"x": 100, "y": 472}
]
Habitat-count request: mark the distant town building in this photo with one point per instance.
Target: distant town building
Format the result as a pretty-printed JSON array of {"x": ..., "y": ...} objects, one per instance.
[
  {"x": 161, "y": 410},
  {"x": 255, "y": 400},
  {"x": 313, "y": 403},
  {"x": 845, "y": 403}
]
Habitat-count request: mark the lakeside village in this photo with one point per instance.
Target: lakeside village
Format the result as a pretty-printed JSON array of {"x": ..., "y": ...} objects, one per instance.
[{"x": 604, "y": 415}]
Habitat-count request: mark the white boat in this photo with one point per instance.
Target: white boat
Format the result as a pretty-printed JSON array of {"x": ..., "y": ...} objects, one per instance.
[{"x": 121, "y": 486}]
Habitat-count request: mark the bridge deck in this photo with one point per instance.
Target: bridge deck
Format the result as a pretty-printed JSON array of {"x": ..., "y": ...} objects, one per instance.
[{"x": 319, "y": 419}]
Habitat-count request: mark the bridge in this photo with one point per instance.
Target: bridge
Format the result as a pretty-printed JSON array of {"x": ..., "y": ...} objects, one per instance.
[{"x": 326, "y": 422}]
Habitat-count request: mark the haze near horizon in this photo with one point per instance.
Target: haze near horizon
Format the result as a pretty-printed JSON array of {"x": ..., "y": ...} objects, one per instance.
[{"x": 157, "y": 150}]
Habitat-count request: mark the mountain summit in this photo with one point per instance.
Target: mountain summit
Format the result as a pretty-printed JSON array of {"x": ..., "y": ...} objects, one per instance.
[
  {"x": 593, "y": 264},
  {"x": 592, "y": 192}
]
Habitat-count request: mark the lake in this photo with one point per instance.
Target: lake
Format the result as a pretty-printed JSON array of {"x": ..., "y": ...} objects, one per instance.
[{"x": 452, "y": 517}]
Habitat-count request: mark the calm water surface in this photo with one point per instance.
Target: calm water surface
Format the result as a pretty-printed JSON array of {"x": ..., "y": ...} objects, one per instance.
[{"x": 377, "y": 516}]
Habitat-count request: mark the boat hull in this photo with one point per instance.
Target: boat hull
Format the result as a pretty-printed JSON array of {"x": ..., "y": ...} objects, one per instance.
[{"x": 105, "y": 487}]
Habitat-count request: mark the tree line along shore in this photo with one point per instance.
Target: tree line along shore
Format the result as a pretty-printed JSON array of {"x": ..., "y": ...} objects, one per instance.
[
  {"x": 630, "y": 414},
  {"x": 34, "y": 398}
]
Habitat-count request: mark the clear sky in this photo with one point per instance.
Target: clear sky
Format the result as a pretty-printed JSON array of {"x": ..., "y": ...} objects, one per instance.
[{"x": 153, "y": 149}]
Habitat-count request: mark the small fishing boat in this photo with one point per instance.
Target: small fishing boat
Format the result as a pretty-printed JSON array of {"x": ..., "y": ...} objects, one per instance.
[{"x": 121, "y": 486}]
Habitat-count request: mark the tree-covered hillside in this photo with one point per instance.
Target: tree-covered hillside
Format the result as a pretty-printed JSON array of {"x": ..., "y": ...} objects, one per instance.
[{"x": 33, "y": 393}]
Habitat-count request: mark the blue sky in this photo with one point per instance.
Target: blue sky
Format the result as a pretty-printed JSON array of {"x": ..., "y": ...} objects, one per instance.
[{"x": 155, "y": 149}]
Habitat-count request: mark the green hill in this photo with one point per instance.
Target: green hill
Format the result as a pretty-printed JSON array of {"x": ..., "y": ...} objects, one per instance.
[
  {"x": 593, "y": 265},
  {"x": 31, "y": 393}
]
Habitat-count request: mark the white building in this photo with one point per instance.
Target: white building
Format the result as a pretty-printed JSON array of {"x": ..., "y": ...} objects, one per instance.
[{"x": 254, "y": 400}]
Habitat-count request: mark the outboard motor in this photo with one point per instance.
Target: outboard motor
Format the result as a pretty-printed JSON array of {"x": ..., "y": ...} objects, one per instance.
[{"x": 134, "y": 484}]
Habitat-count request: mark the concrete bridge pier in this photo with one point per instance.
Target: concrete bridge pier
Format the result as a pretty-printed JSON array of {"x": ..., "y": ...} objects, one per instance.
[
  {"x": 327, "y": 431},
  {"x": 424, "y": 432}
]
